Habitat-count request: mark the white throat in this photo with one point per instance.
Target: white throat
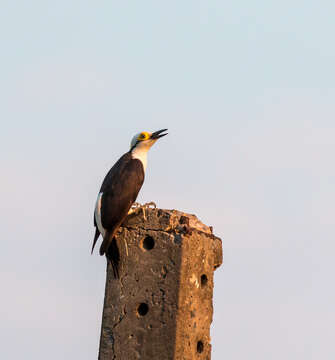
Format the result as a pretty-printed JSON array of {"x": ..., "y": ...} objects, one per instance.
[{"x": 141, "y": 154}]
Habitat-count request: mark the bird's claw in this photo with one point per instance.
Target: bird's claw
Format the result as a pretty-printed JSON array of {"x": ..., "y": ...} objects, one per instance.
[{"x": 148, "y": 205}]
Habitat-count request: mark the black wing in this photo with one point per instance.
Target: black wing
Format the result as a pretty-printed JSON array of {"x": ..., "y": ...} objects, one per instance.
[{"x": 120, "y": 189}]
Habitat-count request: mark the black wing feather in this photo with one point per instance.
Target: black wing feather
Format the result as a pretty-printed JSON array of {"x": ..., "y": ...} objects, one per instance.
[{"x": 120, "y": 189}]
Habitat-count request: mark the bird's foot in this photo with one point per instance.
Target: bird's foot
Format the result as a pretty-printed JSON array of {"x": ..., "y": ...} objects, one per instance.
[{"x": 137, "y": 206}]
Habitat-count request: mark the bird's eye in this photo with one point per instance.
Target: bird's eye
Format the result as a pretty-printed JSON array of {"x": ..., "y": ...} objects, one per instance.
[{"x": 142, "y": 136}]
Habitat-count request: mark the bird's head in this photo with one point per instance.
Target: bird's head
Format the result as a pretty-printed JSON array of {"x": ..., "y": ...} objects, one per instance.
[{"x": 145, "y": 140}]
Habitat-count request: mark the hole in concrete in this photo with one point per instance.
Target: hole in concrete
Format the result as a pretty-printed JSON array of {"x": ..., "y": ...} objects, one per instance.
[
  {"x": 200, "y": 346},
  {"x": 203, "y": 280},
  {"x": 148, "y": 243},
  {"x": 142, "y": 309}
]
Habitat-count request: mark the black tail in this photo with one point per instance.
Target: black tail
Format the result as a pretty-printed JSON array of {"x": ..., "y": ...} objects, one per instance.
[
  {"x": 110, "y": 248},
  {"x": 97, "y": 234},
  {"x": 113, "y": 255}
]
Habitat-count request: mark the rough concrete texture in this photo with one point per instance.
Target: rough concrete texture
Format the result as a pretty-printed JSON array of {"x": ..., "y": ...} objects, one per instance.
[{"x": 161, "y": 307}]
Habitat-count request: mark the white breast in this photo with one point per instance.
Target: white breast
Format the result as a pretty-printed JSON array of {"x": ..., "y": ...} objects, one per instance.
[
  {"x": 140, "y": 154},
  {"x": 97, "y": 215}
]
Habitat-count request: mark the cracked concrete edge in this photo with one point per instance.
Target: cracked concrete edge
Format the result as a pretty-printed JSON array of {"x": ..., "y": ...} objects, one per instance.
[
  {"x": 165, "y": 220},
  {"x": 174, "y": 221}
]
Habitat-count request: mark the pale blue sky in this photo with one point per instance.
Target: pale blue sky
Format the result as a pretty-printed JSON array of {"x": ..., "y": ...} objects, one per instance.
[{"x": 247, "y": 92}]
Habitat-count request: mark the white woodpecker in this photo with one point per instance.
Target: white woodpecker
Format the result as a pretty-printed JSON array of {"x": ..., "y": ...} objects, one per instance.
[{"x": 119, "y": 191}]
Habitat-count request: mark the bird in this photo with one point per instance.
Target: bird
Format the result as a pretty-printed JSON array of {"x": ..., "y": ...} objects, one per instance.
[{"x": 118, "y": 193}]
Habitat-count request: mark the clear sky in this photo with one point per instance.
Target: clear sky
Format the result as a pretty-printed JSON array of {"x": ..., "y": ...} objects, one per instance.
[{"x": 247, "y": 92}]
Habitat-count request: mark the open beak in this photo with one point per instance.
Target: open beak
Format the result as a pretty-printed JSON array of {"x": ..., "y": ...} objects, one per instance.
[{"x": 158, "y": 134}]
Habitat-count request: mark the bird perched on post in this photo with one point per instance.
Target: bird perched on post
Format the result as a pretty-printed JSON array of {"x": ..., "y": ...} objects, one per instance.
[{"x": 119, "y": 191}]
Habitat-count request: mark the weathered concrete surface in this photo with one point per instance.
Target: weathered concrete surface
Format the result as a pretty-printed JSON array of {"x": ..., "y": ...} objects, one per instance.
[{"x": 161, "y": 307}]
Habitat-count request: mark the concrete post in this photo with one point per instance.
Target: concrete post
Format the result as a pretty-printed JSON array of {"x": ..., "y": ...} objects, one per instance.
[{"x": 161, "y": 307}]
